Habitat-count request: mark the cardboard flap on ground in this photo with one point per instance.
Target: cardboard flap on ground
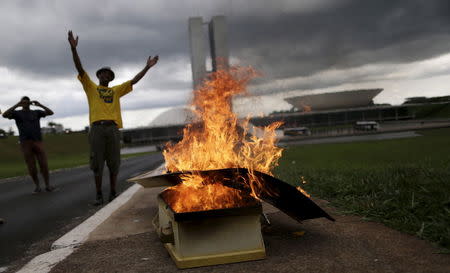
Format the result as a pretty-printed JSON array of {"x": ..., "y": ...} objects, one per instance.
[
  {"x": 152, "y": 179},
  {"x": 279, "y": 194}
]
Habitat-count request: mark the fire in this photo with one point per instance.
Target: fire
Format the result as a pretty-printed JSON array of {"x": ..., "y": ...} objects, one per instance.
[
  {"x": 303, "y": 191},
  {"x": 303, "y": 181},
  {"x": 201, "y": 196},
  {"x": 218, "y": 139}
]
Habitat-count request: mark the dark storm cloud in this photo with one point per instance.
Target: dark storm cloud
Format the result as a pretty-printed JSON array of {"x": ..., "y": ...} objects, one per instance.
[
  {"x": 52, "y": 57},
  {"x": 279, "y": 40},
  {"x": 349, "y": 34},
  {"x": 110, "y": 33},
  {"x": 296, "y": 44}
]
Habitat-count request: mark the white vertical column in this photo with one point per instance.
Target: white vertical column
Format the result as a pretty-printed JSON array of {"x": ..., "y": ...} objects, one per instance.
[
  {"x": 218, "y": 41},
  {"x": 198, "y": 55}
]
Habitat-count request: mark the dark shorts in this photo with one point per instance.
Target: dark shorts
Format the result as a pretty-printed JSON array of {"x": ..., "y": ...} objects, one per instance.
[{"x": 104, "y": 141}]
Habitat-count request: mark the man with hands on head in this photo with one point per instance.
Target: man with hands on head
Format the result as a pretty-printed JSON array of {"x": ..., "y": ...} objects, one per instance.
[
  {"x": 105, "y": 118},
  {"x": 30, "y": 137}
]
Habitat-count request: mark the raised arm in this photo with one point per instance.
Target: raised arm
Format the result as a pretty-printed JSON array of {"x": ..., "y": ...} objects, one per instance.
[
  {"x": 8, "y": 113},
  {"x": 48, "y": 111},
  {"x": 150, "y": 62},
  {"x": 76, "y": 59}
]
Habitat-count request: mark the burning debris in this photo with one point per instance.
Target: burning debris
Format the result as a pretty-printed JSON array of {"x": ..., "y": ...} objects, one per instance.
[
  {"x": 293, "y": 201},
  {"x": 221, "y": 141},
  {"x": 219, "y": 171}
]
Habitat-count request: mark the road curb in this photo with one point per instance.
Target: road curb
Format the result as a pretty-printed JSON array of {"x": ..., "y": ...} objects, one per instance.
[
  {"x": 67, "y": 244},
  {"x": 80, "y": 234}
]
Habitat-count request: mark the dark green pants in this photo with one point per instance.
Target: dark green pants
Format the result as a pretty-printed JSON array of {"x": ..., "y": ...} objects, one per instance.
[{"x": 104, "y": 141}]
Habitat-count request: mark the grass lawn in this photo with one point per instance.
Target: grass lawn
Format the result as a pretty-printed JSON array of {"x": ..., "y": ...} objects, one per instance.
[
  {"x": 63, "y": 151},
  {"x": 403, "y": 183}
]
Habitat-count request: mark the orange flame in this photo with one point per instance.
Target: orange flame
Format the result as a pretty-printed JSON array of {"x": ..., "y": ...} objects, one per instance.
[{"x": 216, "y": 140}]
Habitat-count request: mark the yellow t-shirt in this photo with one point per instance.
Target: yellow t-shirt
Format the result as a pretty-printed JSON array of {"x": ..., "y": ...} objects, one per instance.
[{"x": 104, "y": 102}]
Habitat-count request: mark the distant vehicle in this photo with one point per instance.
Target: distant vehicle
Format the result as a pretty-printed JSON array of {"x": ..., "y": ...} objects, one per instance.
[
  {"x": 367, "y": 126},
  {"x": 298, "y": 131}
]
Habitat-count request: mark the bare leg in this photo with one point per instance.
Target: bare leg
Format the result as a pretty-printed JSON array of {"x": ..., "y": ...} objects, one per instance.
[
  {"x": 98, "y": 188},
  {"x": 97, "y": 150},
  {"x": 113, "y": 158},
  {"x": 112, "y": 185},
  {"x": 98, "y": 183},
  {"x": 31, "y": 163},
  {"x": 32, "y": 170},
  {"x": 42, "y": 159}
]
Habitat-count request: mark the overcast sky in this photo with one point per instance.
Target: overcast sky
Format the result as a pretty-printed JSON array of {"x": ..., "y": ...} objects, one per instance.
[{"x": 401, "y": 46}]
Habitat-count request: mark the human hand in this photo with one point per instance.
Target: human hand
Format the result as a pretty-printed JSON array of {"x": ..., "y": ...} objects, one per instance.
[
  {"x": 35, "y": 102},
  {"x": 72, "y": 41},
  {"x": 152, "y": 61},
  {"x": 21, "y": 103}
]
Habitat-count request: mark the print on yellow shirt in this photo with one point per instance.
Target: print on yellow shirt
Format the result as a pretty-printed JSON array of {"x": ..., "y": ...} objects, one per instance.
[{"x": 107, "y": 95}]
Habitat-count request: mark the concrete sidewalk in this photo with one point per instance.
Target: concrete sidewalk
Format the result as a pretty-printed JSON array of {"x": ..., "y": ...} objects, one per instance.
[
  {"x": 121, "y": 238},
  {"x": 127, "y": 242}
]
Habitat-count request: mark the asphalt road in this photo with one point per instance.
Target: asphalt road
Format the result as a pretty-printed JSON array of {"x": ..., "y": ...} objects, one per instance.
[{"x": 30, "y": 218}]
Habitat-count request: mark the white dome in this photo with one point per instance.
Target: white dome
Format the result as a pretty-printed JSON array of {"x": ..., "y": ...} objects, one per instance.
[{"x": 175, "y": 116}]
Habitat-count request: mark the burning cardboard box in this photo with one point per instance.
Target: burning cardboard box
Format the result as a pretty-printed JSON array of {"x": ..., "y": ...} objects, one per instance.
[
  {"x": 217, "y": 176},
  {"x": 223, "y": 234}
]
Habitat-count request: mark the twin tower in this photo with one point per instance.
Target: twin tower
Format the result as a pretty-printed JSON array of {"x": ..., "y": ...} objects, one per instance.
[{"x": 218, "y": 45}]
